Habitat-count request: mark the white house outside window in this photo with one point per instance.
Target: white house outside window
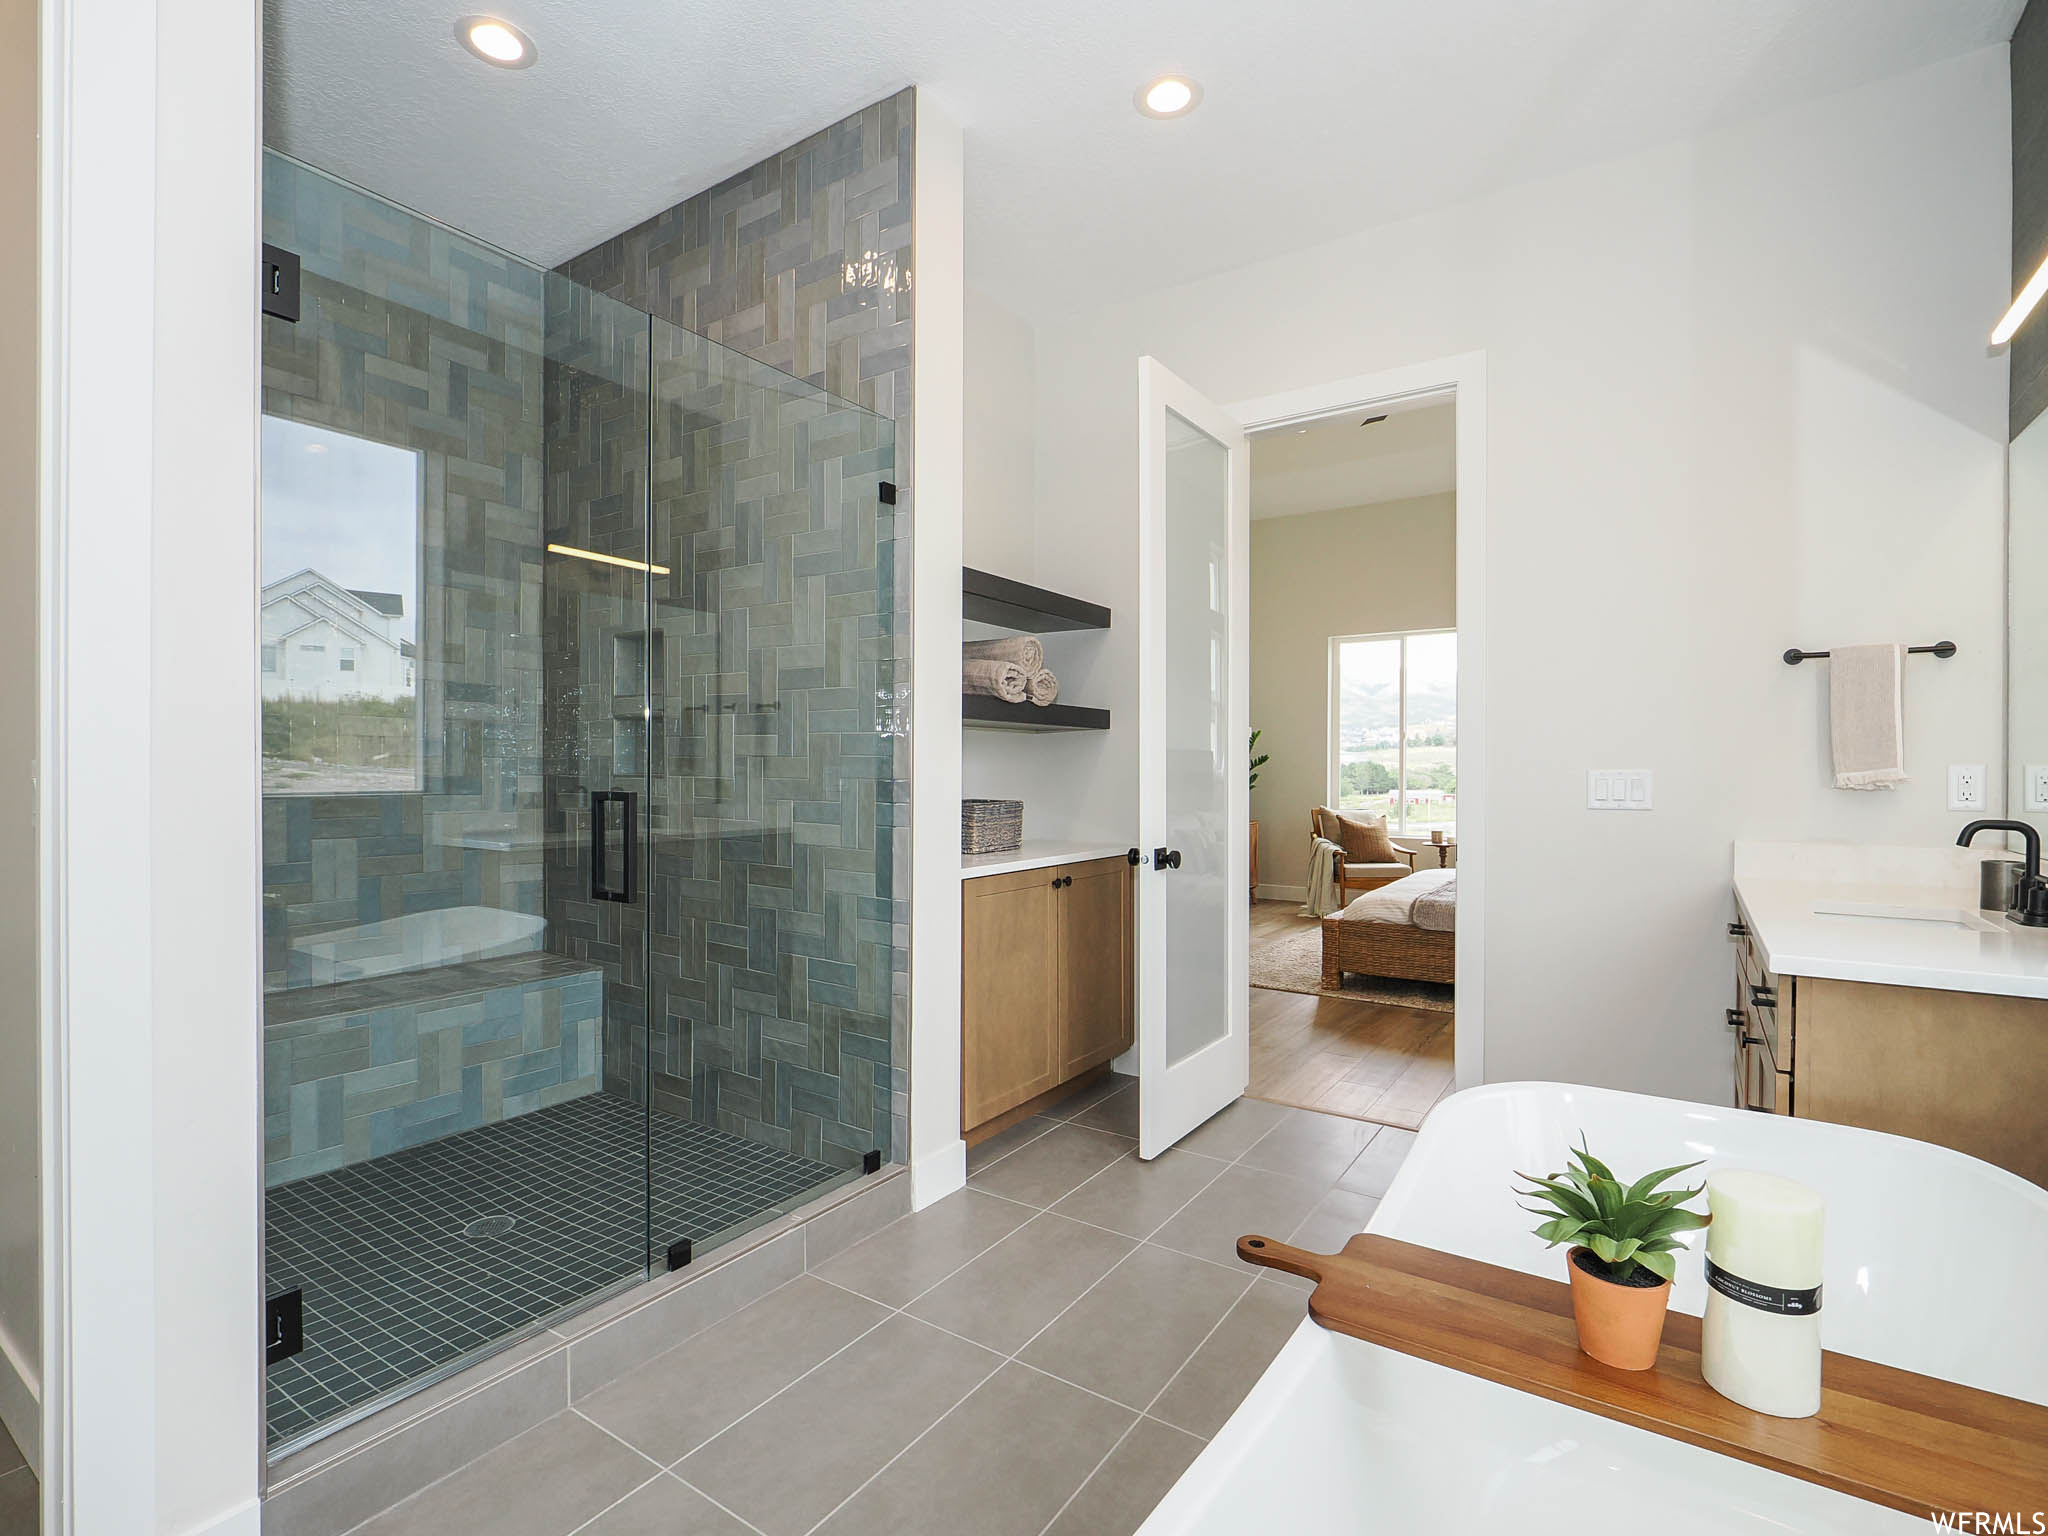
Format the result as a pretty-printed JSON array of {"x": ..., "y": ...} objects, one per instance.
[{"x": 1394, "y": 728}]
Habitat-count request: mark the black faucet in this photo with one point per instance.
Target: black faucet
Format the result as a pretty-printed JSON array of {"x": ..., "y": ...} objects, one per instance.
[{"x": 2030, "y": 904}]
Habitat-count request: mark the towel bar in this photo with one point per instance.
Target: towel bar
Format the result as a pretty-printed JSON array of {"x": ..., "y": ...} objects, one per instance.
[{"x": 1942, "y": 648}]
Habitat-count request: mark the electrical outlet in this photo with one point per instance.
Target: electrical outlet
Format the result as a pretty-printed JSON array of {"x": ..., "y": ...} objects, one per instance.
[
  {"x": 1966, "y": 786},
  {"x": 2037, "y": 786},
  {"x": 1617, "y": 789}
]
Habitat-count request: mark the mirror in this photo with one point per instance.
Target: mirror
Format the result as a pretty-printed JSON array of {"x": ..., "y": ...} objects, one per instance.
[{"x": 2027, "y": 625}]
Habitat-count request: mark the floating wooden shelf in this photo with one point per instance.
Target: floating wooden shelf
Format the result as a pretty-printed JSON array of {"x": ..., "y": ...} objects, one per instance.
[
  {"x": 980, "y": 709},
  {"x": 997, "y": 600},
  {"x": 1909, "y": 1442}
]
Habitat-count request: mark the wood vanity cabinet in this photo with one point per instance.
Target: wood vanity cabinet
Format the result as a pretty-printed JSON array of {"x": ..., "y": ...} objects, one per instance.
[
  {"x": 1967, "y": 1070},
  {"x": 1045, "y": 981}
]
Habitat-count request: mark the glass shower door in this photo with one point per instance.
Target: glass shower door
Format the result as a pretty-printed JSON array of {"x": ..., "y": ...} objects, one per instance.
[
  {"x": 773, "y": 959},
  {"x": 454, "y": 684}
]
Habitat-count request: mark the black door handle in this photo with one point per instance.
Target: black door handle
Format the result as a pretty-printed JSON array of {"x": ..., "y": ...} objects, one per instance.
[
  {"x": 1166, "y": 858},
  {"x": 601, "y": 887}
]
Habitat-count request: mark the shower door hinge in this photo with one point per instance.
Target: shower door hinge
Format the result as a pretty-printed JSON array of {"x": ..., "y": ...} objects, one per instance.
[
  {"x": 679, "y": 1253},
  {"x": 888, "y": 493},
  {"x": 871, "y": 1162},
  {"x": 278, "y": 282},
  {"x": 284, "y": 1326}
]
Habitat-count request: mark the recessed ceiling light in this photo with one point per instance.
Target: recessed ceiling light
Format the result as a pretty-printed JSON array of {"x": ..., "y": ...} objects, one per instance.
[
  {"x": 1169, "y": 96},
  {"x": 496, "y": 42}
]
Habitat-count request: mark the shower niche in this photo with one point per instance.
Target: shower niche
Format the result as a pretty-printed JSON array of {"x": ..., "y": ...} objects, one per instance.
[{"x": 577, "y": 877}]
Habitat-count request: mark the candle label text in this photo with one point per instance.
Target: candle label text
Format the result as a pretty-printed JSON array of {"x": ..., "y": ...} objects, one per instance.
[{"x": 1765, "y": 1298}]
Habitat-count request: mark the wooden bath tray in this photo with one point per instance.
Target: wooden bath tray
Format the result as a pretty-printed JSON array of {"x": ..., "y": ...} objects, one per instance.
[{"x": 1911, "y": 1442}]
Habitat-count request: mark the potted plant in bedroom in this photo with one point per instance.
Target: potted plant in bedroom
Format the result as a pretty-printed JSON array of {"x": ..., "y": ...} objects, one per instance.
[{"x": 1623, "y": 1239}]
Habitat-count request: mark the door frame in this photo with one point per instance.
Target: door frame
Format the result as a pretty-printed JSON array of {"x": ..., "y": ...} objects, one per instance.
[
  {"x": 1461, "y": 378},
  {"x": 1219, "y": 1071}
]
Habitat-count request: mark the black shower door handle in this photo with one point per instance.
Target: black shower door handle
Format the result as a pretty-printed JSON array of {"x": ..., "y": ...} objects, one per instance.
[{"x": 601, "y": 887}]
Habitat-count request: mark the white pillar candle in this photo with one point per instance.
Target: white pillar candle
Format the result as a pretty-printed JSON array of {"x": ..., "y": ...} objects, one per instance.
[{"x": 1760, "y": 1338}]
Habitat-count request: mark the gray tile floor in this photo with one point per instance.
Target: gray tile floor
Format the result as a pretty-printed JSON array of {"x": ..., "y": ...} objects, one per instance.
[
  {"x": 396, "y": 1282},
  {"x": 1041, "y": 1354},
  {"x": 18, "y": 1490}
]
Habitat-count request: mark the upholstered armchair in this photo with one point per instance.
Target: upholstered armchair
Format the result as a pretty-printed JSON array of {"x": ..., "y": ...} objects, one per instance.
[{"x": 1354, "y": 875}]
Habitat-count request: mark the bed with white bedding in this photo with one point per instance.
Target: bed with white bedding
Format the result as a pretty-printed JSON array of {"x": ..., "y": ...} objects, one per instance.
[{"x": 1405, "y": 930}]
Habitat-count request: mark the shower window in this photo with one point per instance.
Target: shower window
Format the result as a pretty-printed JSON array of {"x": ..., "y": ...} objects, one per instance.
[{"x": 340, "y": 603}]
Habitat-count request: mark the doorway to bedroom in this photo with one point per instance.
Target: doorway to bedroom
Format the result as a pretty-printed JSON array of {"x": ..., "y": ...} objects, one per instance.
[{"x": 1355, "y": 786}]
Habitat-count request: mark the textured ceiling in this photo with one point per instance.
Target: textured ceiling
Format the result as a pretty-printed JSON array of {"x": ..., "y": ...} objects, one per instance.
[
  {"x": 1320, "y": 116},
  {"x": 1339, "y": 463}
]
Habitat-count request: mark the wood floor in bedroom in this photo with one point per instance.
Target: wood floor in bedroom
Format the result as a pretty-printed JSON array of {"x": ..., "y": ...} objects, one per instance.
[{"x": 1339, "y": 1055}]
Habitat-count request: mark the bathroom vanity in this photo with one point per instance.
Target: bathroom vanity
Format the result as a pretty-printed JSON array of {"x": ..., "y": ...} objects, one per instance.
[
  {"x": 1046, "y": 996},
  {"x": 1871, "y": 991}
]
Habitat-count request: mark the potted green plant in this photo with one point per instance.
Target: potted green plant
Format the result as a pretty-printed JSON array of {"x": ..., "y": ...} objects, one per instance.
[{"x": 1623, "y": 1239}]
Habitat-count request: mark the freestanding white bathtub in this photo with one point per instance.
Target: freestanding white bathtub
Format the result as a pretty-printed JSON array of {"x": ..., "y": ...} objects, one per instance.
[
  {"x": 1935, "y": 1264},
  {"x": 415, "y": 942}
]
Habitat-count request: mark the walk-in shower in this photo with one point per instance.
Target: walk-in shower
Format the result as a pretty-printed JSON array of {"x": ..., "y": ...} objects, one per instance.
[{"x": 577, "y": 819}]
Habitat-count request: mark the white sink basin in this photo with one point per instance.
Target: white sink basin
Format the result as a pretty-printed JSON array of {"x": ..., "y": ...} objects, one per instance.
[
  {"x": 1954, "y": 917},
  {"x": 1932, "y": 1259}
]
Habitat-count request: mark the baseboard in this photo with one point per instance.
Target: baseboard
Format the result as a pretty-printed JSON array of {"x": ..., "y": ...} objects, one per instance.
[
  {"x": 21, "y": 1402},
  {"x": 1283, "y": 893},
  {"x": 937, "y": 1174},
  {"x": 243, "y": 1520}
]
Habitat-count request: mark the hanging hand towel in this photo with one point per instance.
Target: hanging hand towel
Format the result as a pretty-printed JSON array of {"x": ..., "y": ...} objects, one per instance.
[
  {"x": 1042, "y": 687},
  {"x": 1866, "y": 716},
  {"x": 1005, "y": 679},
  {"x": 1025, "y": 650}
]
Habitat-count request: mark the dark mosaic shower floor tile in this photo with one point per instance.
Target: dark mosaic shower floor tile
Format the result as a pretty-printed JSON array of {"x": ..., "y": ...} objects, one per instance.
[{"x": 413, "y": 1260}]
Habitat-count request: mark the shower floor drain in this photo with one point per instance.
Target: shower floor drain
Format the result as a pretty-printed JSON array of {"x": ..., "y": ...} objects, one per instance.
[{"x": 488, "y": 1226}]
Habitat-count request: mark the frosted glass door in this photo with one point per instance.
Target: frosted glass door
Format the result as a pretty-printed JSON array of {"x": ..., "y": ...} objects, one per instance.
[{"x": 1193, "y": 1024}]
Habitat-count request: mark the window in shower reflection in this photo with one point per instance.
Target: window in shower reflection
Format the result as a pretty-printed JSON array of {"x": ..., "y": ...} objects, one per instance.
[{"x": 341, "y": 552}]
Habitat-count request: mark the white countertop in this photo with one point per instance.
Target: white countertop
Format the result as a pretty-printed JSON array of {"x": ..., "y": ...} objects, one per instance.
[
  {"x": 1037, "y": 853},
  {"x": 1814, "y": 917}
]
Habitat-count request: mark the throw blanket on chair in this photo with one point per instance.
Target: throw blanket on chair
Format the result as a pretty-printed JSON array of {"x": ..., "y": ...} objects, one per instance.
[{"x": 1324, "y": 897}]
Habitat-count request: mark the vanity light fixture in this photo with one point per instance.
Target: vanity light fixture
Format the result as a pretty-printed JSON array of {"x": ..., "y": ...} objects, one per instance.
[
  {"x": 602, "y": 559},
  {"x": 1169, "y": 96},
  {"x": 2021, "y": 306},
  {"x": 496, "y": 41}
]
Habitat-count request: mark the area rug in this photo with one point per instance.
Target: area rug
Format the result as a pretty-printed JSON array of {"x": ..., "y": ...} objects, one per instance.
[{"x": 1295, "y": 964}]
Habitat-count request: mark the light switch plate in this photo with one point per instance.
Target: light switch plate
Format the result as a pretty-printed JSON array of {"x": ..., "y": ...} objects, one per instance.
[
  {"x": 1617, "y": 789},
  {"x": 2037, "y": 786},
  {"x": 1966, "y": 786}
]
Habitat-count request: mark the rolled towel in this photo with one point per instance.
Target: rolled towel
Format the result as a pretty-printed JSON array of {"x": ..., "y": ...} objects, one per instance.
[
  {"x": 1042, "y": 688},
  {"x": 1024, "y": 650},
  {"x": 1005, "y": 679}
]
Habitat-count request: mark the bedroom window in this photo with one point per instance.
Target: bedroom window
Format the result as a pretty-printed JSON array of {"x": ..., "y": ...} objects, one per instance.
[{"x": 1394, "y": 728}]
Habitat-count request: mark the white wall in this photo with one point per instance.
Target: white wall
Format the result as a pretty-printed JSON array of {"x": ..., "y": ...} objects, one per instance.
[
  {"x": 20, "y": 1119},
  {"x": 1001, "y": 535},
  {"x": 1739, "y": 400},
  {"x": 148, "y": 793},
  {"x": 938, "y": 1156},
  {"x": 1352, "y": 571},
  {"x": 1002, "y": 384}
]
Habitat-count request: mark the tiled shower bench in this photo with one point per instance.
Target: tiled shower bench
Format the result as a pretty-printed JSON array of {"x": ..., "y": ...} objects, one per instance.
[{"x": 356, "y": 1069}]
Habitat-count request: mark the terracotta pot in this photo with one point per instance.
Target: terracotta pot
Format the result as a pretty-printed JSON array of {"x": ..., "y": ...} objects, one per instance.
[{"x": 1619, "y": 1325}]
